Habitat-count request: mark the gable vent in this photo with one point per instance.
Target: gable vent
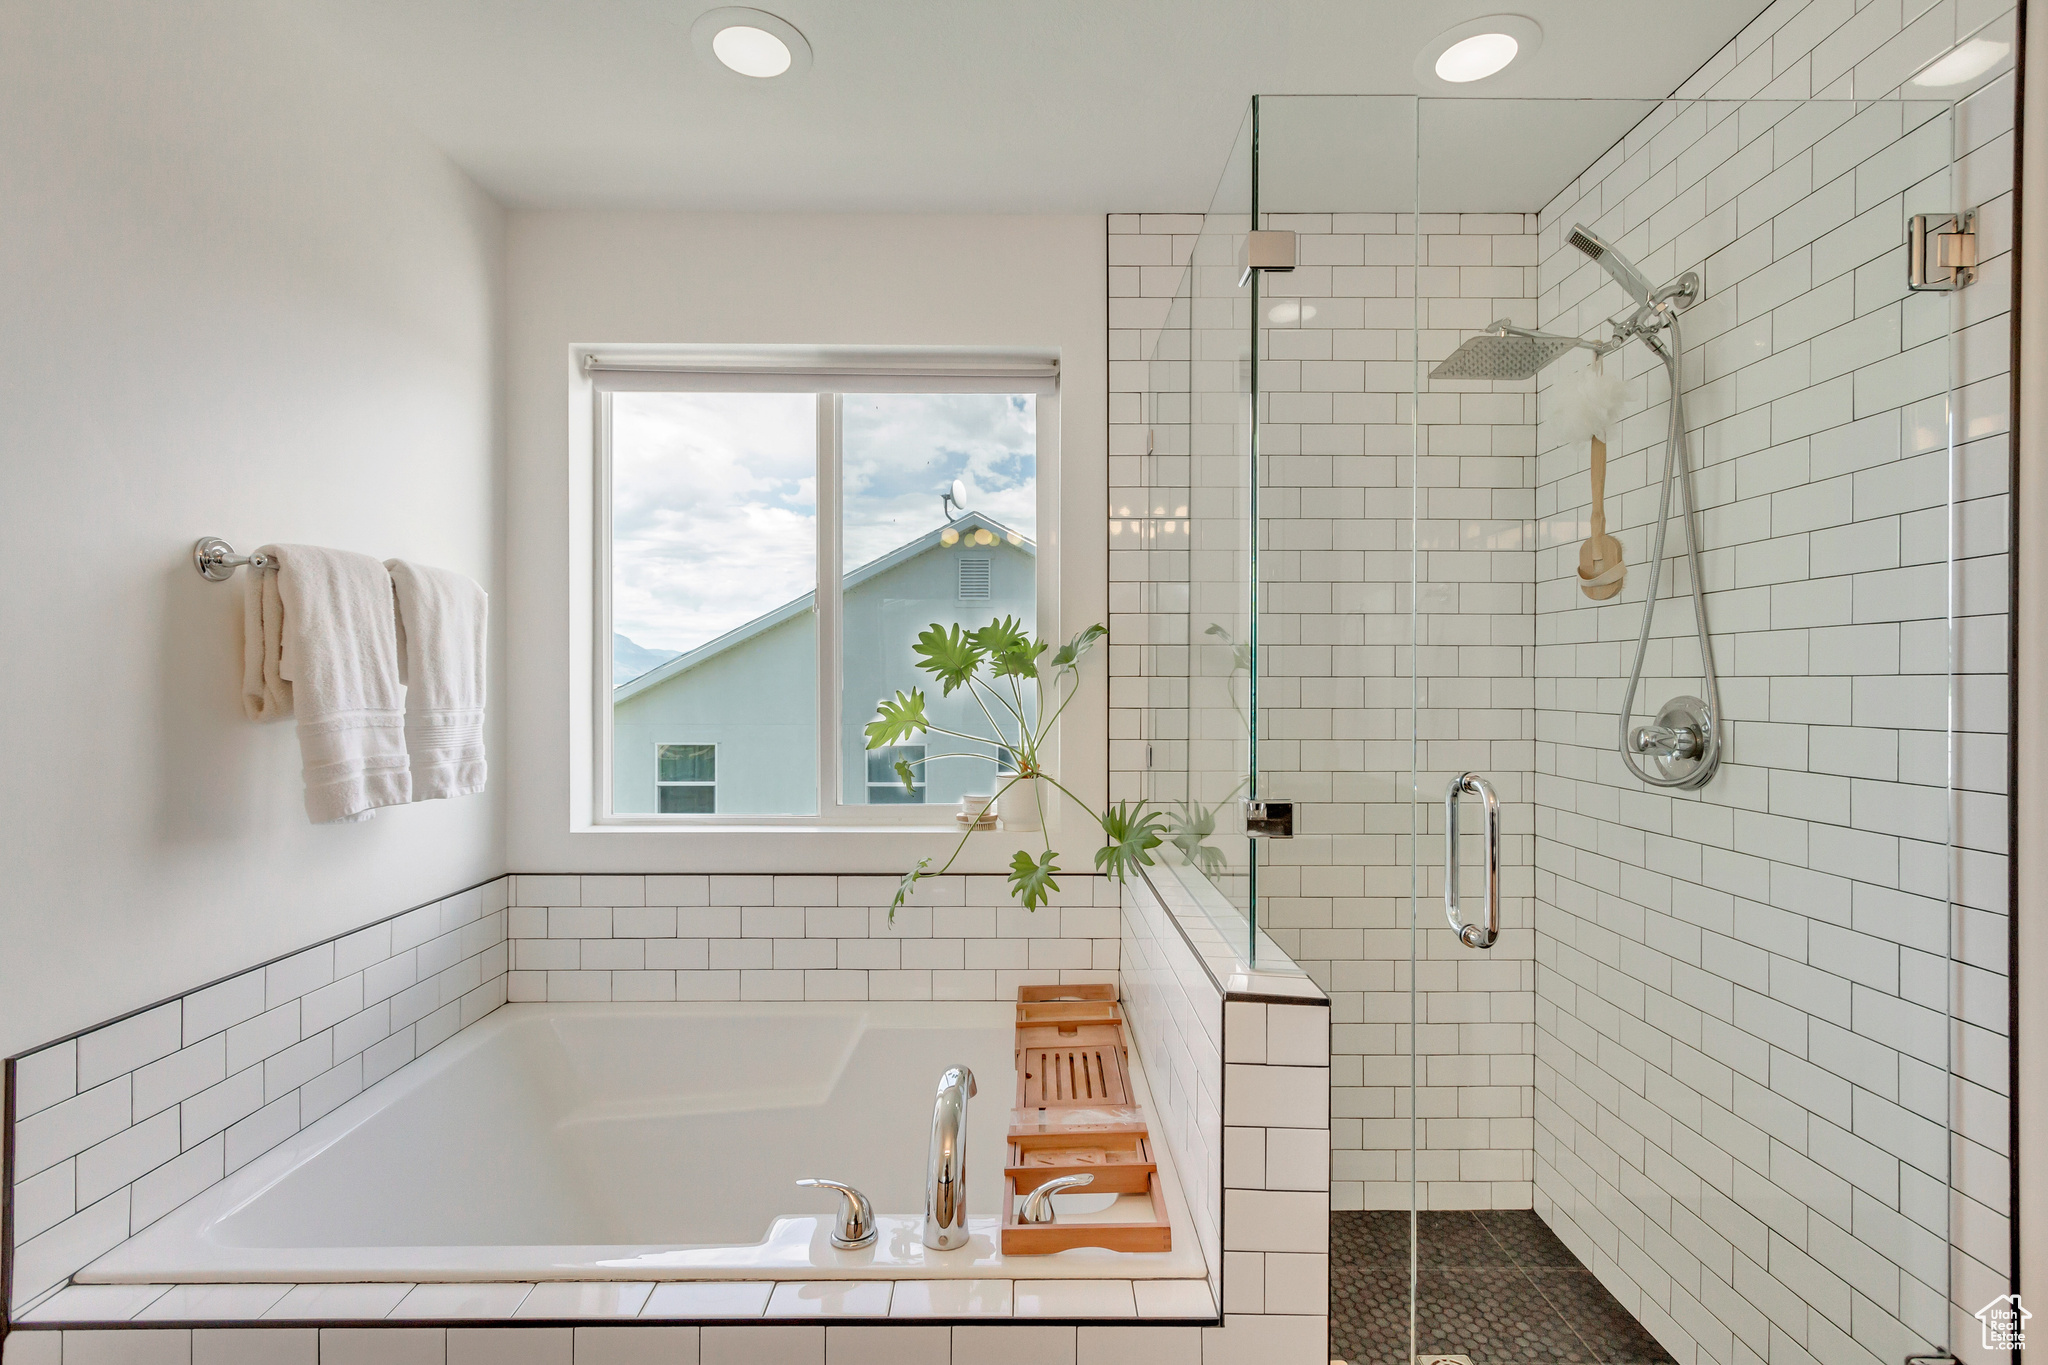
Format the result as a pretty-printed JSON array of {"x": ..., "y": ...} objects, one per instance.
[{"x": 973, "y": 578}]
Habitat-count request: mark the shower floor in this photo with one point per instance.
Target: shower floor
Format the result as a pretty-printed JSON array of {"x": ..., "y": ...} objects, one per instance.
[{"x": 1496, "y": 1287}]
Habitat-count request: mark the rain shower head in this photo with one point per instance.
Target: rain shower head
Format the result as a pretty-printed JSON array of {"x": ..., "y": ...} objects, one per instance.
[
  {"x": 1503, "y": 351},
  {"x": 1613, "y": 262}
]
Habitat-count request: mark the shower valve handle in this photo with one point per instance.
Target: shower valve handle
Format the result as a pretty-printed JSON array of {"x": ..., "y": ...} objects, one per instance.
[{"x": 1666, "y": 742}]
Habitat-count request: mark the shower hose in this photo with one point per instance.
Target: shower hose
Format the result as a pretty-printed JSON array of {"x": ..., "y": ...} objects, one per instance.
[{"x": 1678, "y": 470}]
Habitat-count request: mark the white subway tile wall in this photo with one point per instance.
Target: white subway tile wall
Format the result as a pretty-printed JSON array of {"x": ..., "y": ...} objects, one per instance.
[
  {"x": 117, "y": 1127},
  {"x": 802, "y": 938},
  {"x": 1244, "y": 1341},
  {"x": 1333, "y": 685},
  {"x": 1740, "y": 1049}
]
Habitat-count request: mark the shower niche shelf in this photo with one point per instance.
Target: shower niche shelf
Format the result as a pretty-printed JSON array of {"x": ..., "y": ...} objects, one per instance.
[{"x": 1076, "y": 1115}]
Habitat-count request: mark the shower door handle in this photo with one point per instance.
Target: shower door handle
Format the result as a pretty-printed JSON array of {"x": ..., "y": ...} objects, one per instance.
[{"x": 1472, "y": 935}]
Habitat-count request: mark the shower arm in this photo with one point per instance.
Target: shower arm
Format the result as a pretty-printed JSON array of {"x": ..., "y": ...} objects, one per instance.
[{"x": 1704, "y": 745}]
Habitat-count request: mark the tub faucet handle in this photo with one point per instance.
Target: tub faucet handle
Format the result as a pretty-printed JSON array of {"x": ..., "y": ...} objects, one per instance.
[
  {"x": 1038, "y": 1205},
  {"x": 856, "y": 1217}
]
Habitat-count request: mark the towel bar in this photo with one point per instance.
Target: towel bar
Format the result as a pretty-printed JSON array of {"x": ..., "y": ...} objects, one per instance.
[{"x": 217, "y": 561}]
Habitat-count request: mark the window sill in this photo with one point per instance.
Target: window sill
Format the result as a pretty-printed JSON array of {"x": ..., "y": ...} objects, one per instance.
[{"x": 797, "y": 825}]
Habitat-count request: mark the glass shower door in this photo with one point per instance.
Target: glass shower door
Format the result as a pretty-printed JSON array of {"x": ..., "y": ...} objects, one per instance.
[{"x": 1197, "y": 527}]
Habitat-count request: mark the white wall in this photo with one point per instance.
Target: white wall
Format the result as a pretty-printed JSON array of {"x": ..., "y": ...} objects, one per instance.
[
  {"x": 625, "y": 277},
  {"x": 241, "y": 301}
]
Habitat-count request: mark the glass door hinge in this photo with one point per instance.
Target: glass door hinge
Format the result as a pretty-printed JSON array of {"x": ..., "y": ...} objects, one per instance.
[
  {"x": 1266, "y": 249},
  {"x": 1268, "y": 819},
  {"x": 1941, "y": 250}
]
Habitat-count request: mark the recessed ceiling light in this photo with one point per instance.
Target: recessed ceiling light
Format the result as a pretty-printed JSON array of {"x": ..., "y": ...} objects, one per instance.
[
  {"x": 750, "y": 42},
  {"x": 1477, "y": 49},
  {"x": 757, "y": 52},
  {"x": 1477, "y": 57},
  {"x": 1966, "y": 63}
]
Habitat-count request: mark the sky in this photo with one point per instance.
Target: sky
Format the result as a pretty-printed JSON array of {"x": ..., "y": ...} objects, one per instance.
[{"x": 714, "y": 496}]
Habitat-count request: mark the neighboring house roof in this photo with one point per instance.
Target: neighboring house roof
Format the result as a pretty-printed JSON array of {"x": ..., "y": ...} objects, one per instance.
[{"x": 902, "y": 554}]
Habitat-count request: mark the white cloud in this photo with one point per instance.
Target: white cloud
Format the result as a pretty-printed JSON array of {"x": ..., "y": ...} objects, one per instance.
[{"x": 714, "y": 495}]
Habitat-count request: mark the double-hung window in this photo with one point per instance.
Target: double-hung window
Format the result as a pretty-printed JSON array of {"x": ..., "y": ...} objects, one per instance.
[{"x": 775, "y": 529}]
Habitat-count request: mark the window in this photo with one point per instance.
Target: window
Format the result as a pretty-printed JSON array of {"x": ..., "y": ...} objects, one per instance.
[
  {"x": 775, "y": 536},
  {"x": 686, "y": 779},
  {"x": 885, "y": 784}
]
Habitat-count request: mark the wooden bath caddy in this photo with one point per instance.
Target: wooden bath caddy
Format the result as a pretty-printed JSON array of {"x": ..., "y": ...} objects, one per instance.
[{"x": 1076, "y": 1115}]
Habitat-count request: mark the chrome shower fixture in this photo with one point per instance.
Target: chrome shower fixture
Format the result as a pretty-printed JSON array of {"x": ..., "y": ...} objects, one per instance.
[
  {"x": 1613, "y": 262},
  {"x": 1654, "y": 307},
  {"x": 1505, "y": 351}
]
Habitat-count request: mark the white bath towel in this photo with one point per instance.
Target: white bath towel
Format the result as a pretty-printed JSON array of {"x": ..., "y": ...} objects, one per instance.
[
  {"x": 441, "y": 661},
  {"x": 321, "y": 642}
]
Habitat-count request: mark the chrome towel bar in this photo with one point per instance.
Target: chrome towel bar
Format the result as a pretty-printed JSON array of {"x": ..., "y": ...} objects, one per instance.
[{"x": 217, "y": 561}]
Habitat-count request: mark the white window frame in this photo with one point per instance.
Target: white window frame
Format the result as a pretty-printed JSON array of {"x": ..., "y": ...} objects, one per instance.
[
  {"x": 829, "y": 373},
  {"x": 661, "y": 744}
]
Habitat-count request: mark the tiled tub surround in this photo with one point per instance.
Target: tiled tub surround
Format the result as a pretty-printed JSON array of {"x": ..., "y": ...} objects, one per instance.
[
  {"x": 1268, "y": 1212},
  {"x": 1239, "y": 1063},
  {"x": 118, "y": 1126},
  {"x": 802, "y": 938},
  {"x": 643, "y": 1141}
]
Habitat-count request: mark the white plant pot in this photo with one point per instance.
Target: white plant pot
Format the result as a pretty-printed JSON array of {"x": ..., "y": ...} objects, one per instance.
[{"x": 1019, "y": 804}]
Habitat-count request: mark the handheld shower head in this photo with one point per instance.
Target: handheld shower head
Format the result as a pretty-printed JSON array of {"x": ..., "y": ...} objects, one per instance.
[{"x": 1613, "y": 262}]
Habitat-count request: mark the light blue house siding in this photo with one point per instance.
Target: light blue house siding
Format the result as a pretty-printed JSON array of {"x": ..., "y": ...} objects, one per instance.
[{"x": 752, "y": 692}]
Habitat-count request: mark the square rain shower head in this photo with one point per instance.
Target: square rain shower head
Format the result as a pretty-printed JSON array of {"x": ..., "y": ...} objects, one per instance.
[{"x": 1498, "y": 355}]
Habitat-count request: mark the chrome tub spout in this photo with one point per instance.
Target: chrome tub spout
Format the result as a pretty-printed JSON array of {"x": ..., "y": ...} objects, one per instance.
[{"x": 945, "y": 1176}]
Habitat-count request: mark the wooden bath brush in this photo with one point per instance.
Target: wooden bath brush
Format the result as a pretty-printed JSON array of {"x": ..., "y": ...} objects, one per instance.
[
  {"x": 1589, "y": 403},
  {"x": 1601, "y": 570}
]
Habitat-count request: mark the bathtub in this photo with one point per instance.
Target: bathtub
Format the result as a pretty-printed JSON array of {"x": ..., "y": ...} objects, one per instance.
[{"x": 638, "y": 1142}]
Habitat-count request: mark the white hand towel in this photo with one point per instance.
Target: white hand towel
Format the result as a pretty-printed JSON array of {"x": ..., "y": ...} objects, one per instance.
[
  {"x": 441, "y": 661},
  {"x": 321, "y": 642}
]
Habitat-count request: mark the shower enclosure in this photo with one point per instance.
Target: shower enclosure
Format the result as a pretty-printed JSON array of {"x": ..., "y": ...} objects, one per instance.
[{"x": 1719, "y": 1036}]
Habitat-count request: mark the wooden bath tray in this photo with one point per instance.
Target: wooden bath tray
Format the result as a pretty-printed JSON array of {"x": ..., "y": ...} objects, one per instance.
[{"x": 1076, "y": 1115}]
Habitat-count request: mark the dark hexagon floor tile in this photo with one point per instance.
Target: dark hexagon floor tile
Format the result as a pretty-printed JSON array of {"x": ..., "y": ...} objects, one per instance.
[
  {"x": 1501, "y": 1320},
  {"x": 1528, "y": 1240},
  {"x": 1607, "y": 1328},
  {"x": 1379, "y": 1240}
]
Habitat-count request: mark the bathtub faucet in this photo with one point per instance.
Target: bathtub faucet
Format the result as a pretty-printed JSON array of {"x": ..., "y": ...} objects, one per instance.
[{"x": 945, "y": 1176}]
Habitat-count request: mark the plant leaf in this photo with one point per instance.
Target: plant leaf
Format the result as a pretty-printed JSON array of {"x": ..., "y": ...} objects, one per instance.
[
  {"x": 948, "y": 655},
  {"x": 898, "y": 719},
  {"x": 1031, "y": 879},
  {"x": 1010, "y": 651},
  {"x": 907, "y": 885},
  {"x": 1071, "y": 652},
  {"x": 1132, "y": 833},
  {"x": 909, "y": 779}
]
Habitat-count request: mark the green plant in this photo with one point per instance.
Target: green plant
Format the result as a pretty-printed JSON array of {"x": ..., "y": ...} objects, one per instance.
[{"x": 996, "y": 664}]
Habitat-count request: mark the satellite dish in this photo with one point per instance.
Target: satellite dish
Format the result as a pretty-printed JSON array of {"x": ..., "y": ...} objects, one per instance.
[{"x": 959, "y": 492}]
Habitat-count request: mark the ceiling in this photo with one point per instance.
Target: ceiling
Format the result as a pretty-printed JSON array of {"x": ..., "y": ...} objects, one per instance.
[{"x": 978, "y": 106}]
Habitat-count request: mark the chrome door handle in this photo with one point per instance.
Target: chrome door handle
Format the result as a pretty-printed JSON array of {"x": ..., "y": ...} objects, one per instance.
[{"x": 1472, "y": 935}]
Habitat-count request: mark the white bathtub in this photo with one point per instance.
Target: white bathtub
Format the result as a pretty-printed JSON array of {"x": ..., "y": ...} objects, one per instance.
[{"x": 636, "y": 1142}]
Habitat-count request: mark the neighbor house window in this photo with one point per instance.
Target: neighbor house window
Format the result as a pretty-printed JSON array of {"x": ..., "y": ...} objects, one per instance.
[
  {"x": 885, "y": 784},
  {"x": 778, "y": 529},
  {"x": 686, "y": 780}
]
